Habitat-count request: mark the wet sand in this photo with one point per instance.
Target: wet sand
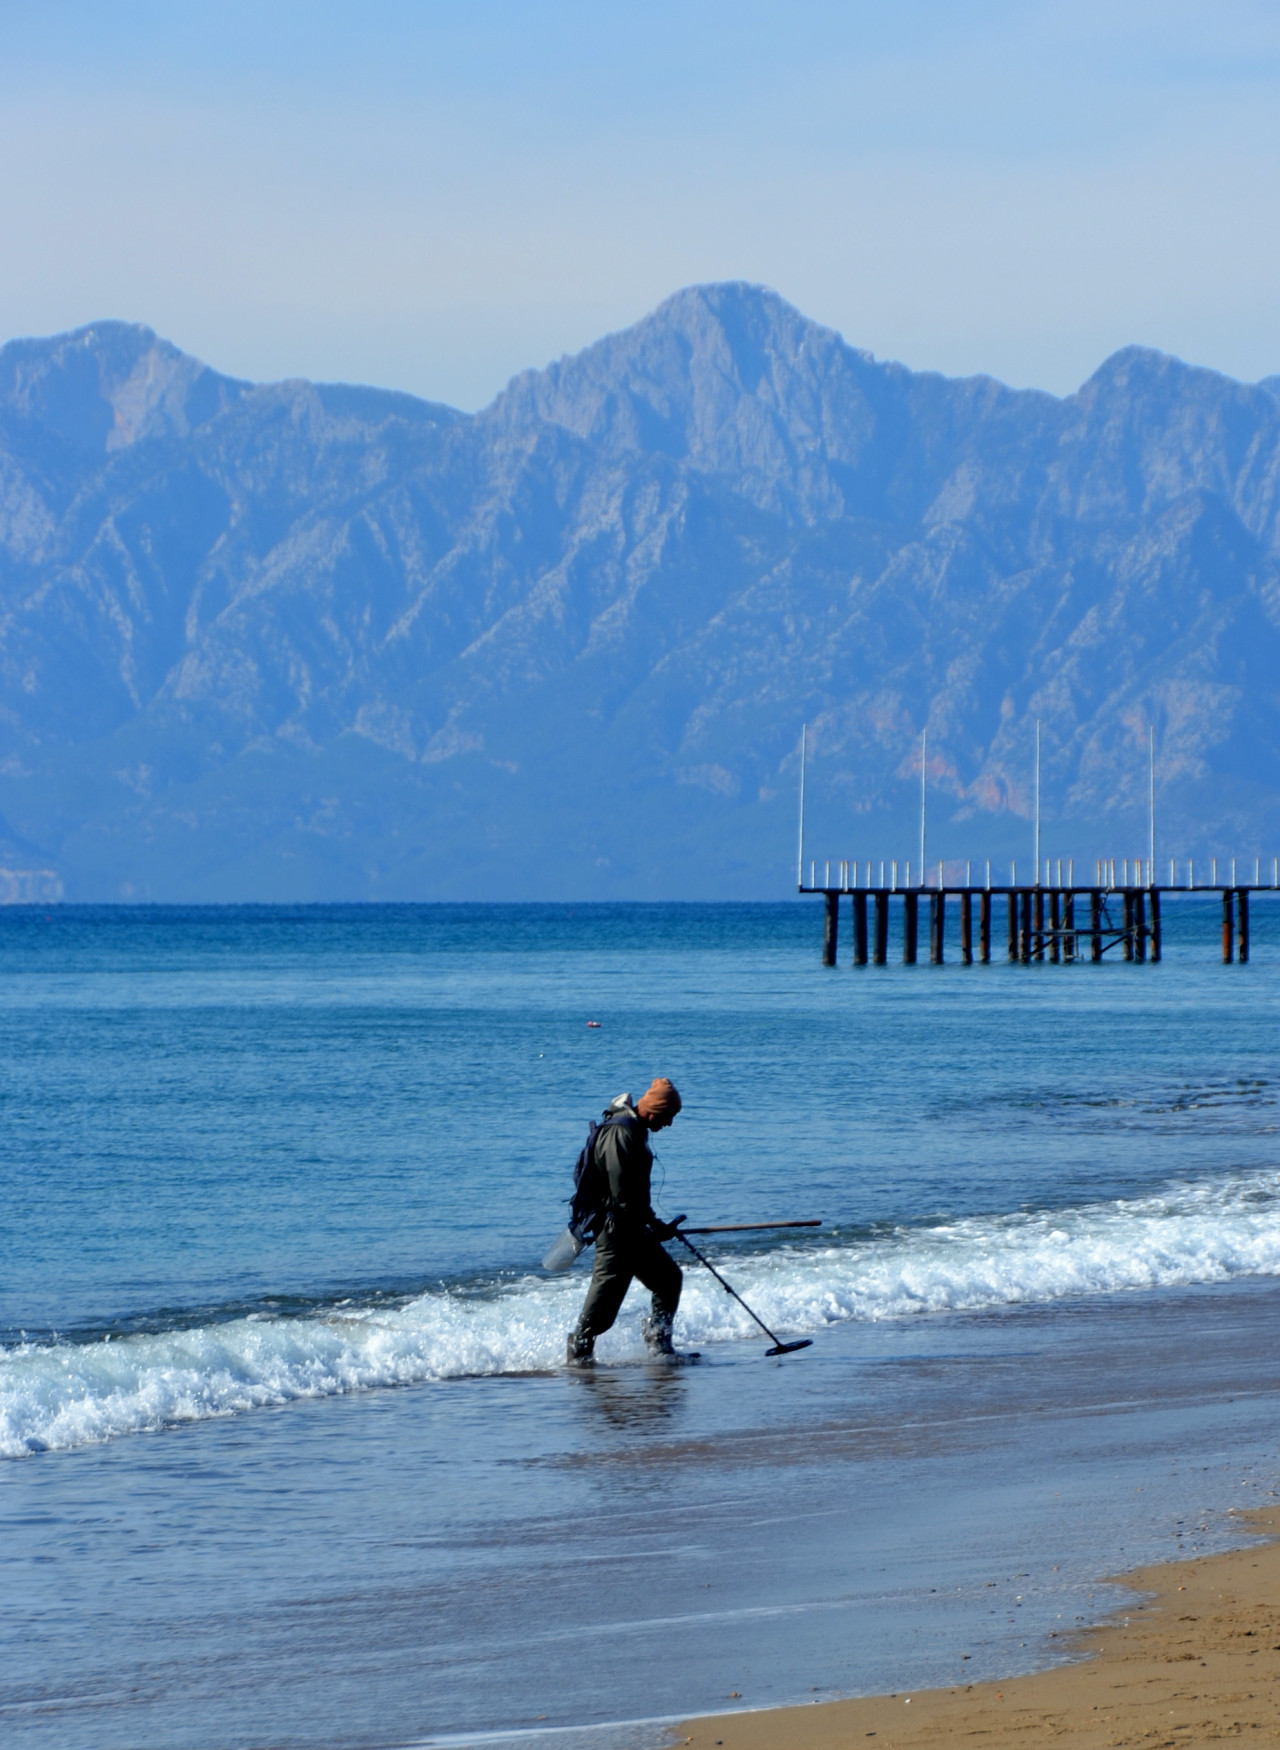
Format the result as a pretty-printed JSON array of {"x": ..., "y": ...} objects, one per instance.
[{"x": 1194, "y": 1660}]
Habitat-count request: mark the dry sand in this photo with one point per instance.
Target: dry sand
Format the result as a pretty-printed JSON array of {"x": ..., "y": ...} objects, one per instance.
[{"x": 1195, "y": 1664}]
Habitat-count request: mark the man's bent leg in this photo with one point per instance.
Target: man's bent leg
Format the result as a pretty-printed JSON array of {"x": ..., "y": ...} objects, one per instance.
[
  {"x": 610, "y": 1280},
  {"x": 662, "y": 1276}
]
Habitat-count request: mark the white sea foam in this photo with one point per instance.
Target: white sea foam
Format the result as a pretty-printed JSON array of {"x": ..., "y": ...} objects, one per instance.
[{"x": 70, "y": 1394}]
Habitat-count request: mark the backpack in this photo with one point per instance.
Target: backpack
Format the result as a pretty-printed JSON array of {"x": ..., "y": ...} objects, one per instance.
[{"x": 589, "y": 1206}]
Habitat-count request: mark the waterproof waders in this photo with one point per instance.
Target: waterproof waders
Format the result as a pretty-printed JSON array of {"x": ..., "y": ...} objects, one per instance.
[{"x": 619, "y": 1260}]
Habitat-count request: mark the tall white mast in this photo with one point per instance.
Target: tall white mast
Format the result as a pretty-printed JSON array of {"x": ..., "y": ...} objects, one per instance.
[
  {"x": 1037, "y": 802},
  {"x": 1151, "y": 800},
  {"x": 804, "y": 733},
  {"x": 924, "y": 769}
]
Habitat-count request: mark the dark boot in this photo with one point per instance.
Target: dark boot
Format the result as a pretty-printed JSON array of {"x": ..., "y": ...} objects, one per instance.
[
  {"x": 581, "y": 1350},
  {"x": 656, "y": 1331}
]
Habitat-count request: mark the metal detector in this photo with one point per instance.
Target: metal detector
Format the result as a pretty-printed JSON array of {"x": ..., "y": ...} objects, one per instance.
[{"x": 779, "y": 1348}]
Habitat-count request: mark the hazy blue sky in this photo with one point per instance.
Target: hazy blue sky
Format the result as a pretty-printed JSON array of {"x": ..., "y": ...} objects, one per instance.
[{"x": 432, "y": 196}]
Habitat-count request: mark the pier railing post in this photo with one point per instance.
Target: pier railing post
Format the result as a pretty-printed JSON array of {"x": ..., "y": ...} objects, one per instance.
[
  {"x": 859, "y": 929},
  {"x": 830, "y": 928},
  {"x": 1156, "y": 937},
  {"x": 937, "y": 926},
  {"x": 1242, "y": 924},
  {"x": 984, "y": 928},
  {"x": 1228, "y": 926},
  {"x": 966, "y": 928},
  {"x": 881, "y": 949},
  {"x": 910, "y": 903},
  {"x": 1095, "y": 924},
  {"x": 1055, "y": 925}
]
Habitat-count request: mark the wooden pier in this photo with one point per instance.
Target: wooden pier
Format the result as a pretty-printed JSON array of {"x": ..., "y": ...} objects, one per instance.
[
  {"x": 1046, "y": 919},
  {"x": 1058, "y": 923}
]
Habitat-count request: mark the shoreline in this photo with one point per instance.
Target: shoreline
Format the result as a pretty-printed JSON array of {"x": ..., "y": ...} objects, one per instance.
[{"x": 1195, "y": 1658}]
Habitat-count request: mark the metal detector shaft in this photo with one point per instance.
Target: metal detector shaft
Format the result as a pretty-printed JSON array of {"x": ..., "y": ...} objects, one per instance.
[
  {"x": 749, "y": 1227},
  {"x": 779, "y": 1347}
]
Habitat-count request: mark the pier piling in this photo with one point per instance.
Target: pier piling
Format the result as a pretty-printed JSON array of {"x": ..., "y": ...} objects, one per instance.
[
  {"x": 1043, "y": 921},
  {"x": 882, "y": 929}
]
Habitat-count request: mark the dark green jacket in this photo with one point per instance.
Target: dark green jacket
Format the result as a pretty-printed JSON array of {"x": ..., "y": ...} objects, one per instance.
[{"x": 622, "y": 1149}]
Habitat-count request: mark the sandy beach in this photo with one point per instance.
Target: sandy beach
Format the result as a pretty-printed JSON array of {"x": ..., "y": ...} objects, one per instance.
[{"x": 1194, "y": 1660}]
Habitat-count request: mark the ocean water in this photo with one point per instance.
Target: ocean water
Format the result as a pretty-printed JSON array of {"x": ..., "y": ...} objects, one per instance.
[{"x": 286, "y": 1453}]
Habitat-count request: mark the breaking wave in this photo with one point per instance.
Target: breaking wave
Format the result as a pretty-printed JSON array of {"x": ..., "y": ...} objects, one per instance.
[{"x": 60, "y": 1394}]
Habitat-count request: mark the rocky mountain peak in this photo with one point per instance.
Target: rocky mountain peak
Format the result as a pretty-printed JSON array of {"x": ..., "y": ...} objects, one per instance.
[
  {"x": 728, "y": 379},
  {"x": 107, "y": 386}
]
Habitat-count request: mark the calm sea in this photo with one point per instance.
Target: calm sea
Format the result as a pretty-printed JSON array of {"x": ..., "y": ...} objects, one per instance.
[{"x": 288, "y": 1457}]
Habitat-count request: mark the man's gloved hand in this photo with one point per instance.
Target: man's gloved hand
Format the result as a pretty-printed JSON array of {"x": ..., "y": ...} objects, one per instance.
[{"x": 665, "y": 1230}]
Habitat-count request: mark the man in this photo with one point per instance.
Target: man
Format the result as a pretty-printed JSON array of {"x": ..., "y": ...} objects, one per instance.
[{"x": 630, "y": 1242}]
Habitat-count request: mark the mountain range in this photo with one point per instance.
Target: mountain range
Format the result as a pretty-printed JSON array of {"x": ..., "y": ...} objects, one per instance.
[{"x": 300, "y": 641}]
